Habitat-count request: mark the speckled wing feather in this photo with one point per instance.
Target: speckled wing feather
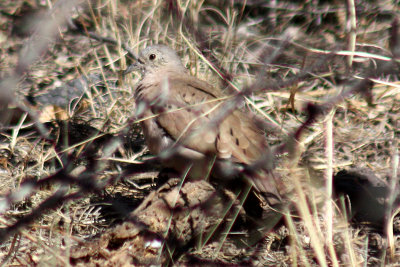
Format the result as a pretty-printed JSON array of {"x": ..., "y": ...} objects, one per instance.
[{"x": 189, "y": 107}]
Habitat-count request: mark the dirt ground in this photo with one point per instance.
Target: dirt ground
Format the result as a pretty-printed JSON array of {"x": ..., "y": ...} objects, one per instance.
[{"x": 78, "y": 186}]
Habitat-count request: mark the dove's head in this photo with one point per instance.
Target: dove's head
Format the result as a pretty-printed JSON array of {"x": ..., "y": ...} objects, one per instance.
[{"x": 157, "y": 58}]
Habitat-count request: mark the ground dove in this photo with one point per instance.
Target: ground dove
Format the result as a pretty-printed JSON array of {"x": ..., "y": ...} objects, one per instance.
[{"x": 184, "y": 122}]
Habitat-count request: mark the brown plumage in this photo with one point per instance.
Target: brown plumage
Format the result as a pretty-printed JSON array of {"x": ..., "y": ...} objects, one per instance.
[{"x": 178, "y": 108}]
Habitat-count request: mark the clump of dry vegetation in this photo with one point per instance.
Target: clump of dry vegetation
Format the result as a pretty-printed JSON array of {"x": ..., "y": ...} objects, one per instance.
[{"x": 78, "y": 186}]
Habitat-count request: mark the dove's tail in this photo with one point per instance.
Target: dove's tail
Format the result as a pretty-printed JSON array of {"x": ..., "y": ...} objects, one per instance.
[{"x": 268, "y": 185}]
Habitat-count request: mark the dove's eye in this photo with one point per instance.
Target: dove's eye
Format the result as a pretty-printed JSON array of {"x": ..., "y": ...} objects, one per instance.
[{"x": 152, "y": 56}]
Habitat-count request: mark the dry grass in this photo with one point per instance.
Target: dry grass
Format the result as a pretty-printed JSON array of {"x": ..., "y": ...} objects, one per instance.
[{"x": 285, "y": 55}]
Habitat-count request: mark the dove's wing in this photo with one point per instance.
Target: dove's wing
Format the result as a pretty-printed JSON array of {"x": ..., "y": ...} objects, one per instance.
[{"x": 190, "y": 117}]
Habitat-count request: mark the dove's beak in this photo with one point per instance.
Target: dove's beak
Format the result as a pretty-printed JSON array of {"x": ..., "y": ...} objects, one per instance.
[
  {"x": 137, "y": 66},
  {"x": 131, "y": 68}
]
